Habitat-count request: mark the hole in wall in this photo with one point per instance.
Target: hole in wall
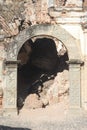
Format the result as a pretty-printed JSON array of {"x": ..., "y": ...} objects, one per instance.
[{"x": 42, "y": 73}]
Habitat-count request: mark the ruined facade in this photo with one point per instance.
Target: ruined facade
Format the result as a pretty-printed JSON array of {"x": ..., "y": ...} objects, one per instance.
[{"x": 64, "y": 21}]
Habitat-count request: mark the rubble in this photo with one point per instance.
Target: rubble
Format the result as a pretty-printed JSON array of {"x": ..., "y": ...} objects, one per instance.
[{"x": 33, "y": 102}]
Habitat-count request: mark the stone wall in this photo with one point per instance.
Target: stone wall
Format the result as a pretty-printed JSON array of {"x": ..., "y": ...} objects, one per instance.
[
  {"x": 2, "y": 57},
  {"x": 18, "y": 15}
]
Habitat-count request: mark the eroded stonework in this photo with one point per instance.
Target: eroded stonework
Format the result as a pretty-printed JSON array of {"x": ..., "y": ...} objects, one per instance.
[{"x": 26, "y": 19}]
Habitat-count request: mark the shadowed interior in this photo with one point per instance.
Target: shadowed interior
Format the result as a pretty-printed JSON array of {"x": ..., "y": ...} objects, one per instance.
[{"x": 40, "y": 62}]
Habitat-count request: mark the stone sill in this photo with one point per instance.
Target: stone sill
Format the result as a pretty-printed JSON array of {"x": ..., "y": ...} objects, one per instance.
[
  {"x": 74, "y": 61},
  {"x": 65, "y": 12},
  {"x": 66, "y": 20},
  {"x": 59, "y": 9}
]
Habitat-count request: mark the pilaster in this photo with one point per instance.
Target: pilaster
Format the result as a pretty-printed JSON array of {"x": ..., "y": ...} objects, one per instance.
[
  {"x": 10, "y": 89},
  {"x": 75, "y": 83}
]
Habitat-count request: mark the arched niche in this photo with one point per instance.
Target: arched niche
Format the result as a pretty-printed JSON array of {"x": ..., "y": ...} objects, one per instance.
[{"x": 74, "y": 53}]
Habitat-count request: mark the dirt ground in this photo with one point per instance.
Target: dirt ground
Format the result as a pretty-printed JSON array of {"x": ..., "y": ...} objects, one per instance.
[
  {"x": 54, "y": 112},
  {"x": 54, "y": 117}
]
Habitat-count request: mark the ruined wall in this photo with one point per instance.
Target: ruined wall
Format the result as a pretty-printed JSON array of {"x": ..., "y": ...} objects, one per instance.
[{"x": 17, "y": 15}]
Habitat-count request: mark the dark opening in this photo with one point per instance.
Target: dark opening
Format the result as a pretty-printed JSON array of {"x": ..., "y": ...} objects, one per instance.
[{"x": 40, "y": 64}]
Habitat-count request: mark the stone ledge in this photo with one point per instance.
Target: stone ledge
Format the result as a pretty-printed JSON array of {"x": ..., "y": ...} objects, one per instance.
[
  {"x": 68, "y": 9},
  {"x": 75, "y": 61}
]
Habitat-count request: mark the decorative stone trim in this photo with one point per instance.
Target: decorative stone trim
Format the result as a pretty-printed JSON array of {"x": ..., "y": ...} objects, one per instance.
[
  {"x": 75, "y": 83},
  {"x": 75, "y": 61},
  {"x": 55, "y": 31},
  {"x": 10, "y": 89},
  {"x": 11, "y": 62}
]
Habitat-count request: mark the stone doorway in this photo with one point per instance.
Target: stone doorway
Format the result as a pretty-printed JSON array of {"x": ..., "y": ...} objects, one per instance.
[
  {"x": 74, "y": 54},
  {"x": 42, "y": 73}
]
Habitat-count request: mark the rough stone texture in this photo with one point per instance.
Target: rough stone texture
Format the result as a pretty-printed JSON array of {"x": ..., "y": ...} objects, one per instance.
[
  {"x": 59, "y": 87},
  {"x": 17, "y": 16},
  {"x": 33, "y": 102},
  {"x": 63, "y": 81},
  {"x": 60, "y": 3},
  {"x": 74, "y": 3},
  {"x": 36, "y": 13}
]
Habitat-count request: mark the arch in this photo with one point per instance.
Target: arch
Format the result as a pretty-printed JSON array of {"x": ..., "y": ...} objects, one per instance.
[
  {"x": 56, "y": 31},
  {"x": 74, "y": 53}
]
